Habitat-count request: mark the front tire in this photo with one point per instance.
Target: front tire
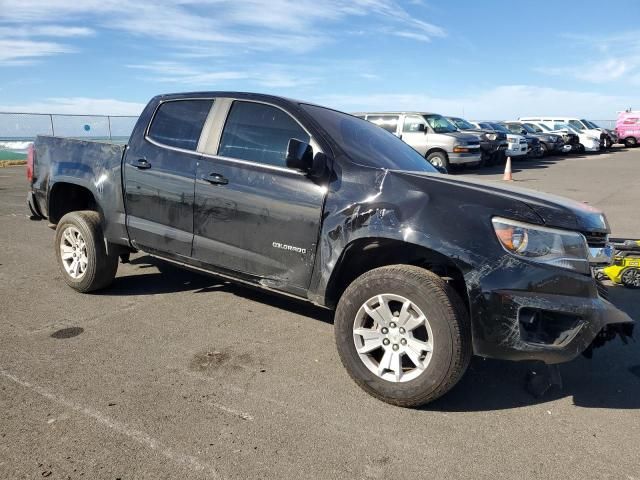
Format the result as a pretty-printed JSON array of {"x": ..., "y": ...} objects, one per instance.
[
  {"x": 81, "y": 252},
  {"x": 439, "y": 160},
  {"x": 403, "y": 335},
  {"x": 544, "y": 150}
]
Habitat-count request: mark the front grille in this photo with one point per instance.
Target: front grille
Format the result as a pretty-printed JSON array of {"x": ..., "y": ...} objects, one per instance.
[{"x": 596, "y": 239}]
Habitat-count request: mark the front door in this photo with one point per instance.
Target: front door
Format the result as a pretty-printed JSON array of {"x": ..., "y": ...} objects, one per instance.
[
  {"x": 159, "y": 177},
  {"x": 253, "y": 215},
  {"x": 414, "y": 132}
]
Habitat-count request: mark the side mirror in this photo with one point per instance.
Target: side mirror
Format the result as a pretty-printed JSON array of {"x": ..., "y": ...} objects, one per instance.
[
  {"x": 299, "y": 155},
  {"x": 523, "y": 132},
  {"x": 422, "y": 128}
]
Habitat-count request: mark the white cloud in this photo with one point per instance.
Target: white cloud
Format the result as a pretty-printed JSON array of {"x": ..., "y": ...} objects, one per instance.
[
  {"x": 413, "y": 36},
  {"x": 266, "y": 75},
  {"x": 499, "y": 103},
  {"x": 605, "y": 58},
  {"x": 14, "y": 52},
  {"x": 215, "y": 27},
  {"x": 78, "y": 105}
]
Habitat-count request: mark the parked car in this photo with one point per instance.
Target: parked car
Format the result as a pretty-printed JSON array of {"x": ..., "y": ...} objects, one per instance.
[
  {"x": 549, "y": 143},
  {"x": 493, "y": 144},
  {"x": 517, "y": 145},
  {"x": 574, "y": 122},
  {"x": 628, "y": 128},
  {"x": 608, "y": 137},
  {"x": 432, "y": 135},
  {"x": 570, "y": 139},
  {"x": 588, "y": 142},
  {"x": 423, "y": 269}
]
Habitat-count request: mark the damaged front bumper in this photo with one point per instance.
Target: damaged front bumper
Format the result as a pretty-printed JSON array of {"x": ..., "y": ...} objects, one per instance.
[{"x": 553, "y": 319}]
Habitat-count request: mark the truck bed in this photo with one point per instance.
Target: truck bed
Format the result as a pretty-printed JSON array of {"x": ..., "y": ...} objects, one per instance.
[{"x": 94, "y": 165}]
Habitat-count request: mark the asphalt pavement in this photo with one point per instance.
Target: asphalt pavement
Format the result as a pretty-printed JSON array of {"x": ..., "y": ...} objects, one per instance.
[{"x": 170, "y": 374}]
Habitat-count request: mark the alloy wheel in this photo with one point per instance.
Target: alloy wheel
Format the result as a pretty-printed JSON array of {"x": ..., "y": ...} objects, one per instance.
[
  {"x": 393, "y": 337},
  {"x": 73, "y": 252}
]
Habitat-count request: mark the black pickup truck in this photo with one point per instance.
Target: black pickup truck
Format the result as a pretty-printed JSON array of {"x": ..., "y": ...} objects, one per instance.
[
  {"x": 423, "y": 269},
  {"x": 492, "y": 143}
]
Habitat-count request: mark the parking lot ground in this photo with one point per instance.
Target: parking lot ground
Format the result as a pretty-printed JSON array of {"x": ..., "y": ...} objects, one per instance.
[{"x": 169, "y": 374}]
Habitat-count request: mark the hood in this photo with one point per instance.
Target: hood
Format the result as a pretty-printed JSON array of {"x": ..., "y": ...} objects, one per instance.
[
  {"x": 463, "y": 136},
  {"x": 551, "y": 210},
  {"x": 481, "y": 131}
]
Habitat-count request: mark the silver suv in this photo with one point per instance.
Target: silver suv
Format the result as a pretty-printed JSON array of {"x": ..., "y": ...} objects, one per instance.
[{"x": 435, "y": 137}]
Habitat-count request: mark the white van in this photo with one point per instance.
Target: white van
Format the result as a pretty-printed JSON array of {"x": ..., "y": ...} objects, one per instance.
[{"x": 581, "y": 125}]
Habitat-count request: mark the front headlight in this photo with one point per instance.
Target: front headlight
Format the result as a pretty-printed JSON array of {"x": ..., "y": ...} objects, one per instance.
[
  {"x": 560, "y": 248},
  {"x": 492, "y": 136}
]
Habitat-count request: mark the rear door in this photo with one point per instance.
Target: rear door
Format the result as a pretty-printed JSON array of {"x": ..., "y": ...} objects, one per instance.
[
  {"x": 253, "y": 215},
  {"x": 159, "y": 177}
]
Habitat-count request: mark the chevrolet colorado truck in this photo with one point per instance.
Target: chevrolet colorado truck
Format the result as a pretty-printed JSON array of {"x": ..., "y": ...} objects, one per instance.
[{"x": 422, "y": 269}]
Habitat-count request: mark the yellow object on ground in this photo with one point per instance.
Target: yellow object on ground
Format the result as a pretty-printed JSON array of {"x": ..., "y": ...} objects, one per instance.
[{"x": 626, "y": 265}]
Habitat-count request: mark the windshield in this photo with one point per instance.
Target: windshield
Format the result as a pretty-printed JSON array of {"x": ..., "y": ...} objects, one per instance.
[
  {"x": 543, "y": 127},
  {"x": 589, "y": 123},
  {"x": 439, "y": 124},
  {"x": 561, "y": 126},
  {"x": 577, "y": 124},
  {"x": 366, "y": 143},
  {"x": 499, "y": 128},
  {"x": 525, "y": 127},
  {"x": 462, "y": 124},
  {"x": 534, "y": 127}
]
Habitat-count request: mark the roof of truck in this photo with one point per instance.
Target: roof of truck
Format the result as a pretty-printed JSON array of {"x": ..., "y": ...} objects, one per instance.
[
  {"x": 232, "y": 94},
  {"x": 399, "y": 112}
]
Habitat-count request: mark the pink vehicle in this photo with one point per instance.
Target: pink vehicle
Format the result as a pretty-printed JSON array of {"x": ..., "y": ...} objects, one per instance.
[{"x": 628, "y": 128}]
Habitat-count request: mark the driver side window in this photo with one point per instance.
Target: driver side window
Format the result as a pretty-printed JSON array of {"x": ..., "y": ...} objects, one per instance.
[
  {"x": 413, "y": 124},
  {"x": 259, "y": 133}
]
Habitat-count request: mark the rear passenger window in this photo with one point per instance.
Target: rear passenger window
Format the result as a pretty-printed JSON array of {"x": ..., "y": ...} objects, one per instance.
[
  {"x": 259, "y": 133},
  {"x": 388, "y": 122},
  {"x": 178, "y": 123}
]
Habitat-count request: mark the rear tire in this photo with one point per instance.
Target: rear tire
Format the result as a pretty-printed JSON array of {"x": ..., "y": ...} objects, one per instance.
[
  {"x": 81, "y": 252},
  {"x": 630, "y": 142},
  {"x": 420, "y": 376}
]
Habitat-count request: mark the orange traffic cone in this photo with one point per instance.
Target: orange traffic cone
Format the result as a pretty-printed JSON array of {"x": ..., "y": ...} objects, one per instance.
[{"x": 507, "y": 177}]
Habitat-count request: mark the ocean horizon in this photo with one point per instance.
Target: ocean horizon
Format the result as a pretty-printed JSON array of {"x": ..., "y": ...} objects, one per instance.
[{"x": 15, "y": 148}]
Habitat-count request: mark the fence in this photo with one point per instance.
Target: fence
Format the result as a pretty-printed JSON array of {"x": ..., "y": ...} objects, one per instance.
[{"x": 18, "y": 130}]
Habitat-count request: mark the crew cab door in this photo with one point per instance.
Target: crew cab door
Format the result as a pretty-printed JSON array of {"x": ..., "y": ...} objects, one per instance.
[
  {"x": 253, "y": 215},
  {"x": 159, "y": 177}
]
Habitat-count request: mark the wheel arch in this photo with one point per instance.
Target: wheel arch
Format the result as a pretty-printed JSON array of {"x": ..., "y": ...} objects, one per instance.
[
  {"x": 362, "y": 255},
  {"x": 436, "y": 150},
  {"x": 65, "y": 197}
]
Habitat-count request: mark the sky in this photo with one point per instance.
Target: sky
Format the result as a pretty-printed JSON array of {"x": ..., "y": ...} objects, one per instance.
[{"x": 490, "y": 59}]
